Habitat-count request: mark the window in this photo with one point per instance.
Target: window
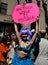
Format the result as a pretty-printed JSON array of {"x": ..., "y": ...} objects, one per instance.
[{"x": 3, "y": 8}]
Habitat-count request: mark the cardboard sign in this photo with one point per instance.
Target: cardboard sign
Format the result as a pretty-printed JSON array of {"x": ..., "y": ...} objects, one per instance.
[{"x": 25, "y": 14}]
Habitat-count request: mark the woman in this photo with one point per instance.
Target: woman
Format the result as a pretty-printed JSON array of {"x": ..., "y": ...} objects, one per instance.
[
  {"x": 22, "y": 56},
  {"x": 3, "y": 51},
  {"x": 12, "y": 50}
]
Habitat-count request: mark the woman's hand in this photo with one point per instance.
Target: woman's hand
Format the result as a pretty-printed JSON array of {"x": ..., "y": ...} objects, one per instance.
[
  {"x": 37, "y": 19},
  {"x": 37, "y": 25}
]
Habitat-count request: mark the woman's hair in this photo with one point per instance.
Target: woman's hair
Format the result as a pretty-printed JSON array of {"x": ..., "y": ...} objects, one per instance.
[{"x": 25, "y": 31}]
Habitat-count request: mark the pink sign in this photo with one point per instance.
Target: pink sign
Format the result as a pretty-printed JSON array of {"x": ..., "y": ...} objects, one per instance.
[{"x": 25, "y": 14}]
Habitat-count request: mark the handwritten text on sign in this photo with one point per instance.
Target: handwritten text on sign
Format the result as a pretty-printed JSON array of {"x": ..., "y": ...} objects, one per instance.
[{"x": 25, "y": 14}]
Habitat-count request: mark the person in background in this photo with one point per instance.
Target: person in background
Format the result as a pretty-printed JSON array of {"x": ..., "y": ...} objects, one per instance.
[
  {"x": 3, "y": 51},
  {"x": 12, "y": 50},
  {"x": 38, "y": 3},
  {"x": 46, "y": 36},
  {"x": 43, "y": 33},
  {"x": 7, "y": 35},
  {"x": 36, "y": 44},
  {"x": 42, "y": 58},
  {"x": 1, "y": 33},
  {"x": 44, "y": 4}
]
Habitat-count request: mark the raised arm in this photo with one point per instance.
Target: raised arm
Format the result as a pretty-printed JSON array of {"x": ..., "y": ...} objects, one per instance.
[
  {"x": 17, "y": 33},
  {"x": 35, "y": 34}
]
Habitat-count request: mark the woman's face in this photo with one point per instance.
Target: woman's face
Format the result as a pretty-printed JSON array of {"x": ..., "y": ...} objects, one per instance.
[{"x": 24, "y": 36}]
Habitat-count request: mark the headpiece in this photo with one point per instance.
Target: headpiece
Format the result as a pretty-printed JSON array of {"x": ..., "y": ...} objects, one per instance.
[{"x": 25, "y": 31}]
